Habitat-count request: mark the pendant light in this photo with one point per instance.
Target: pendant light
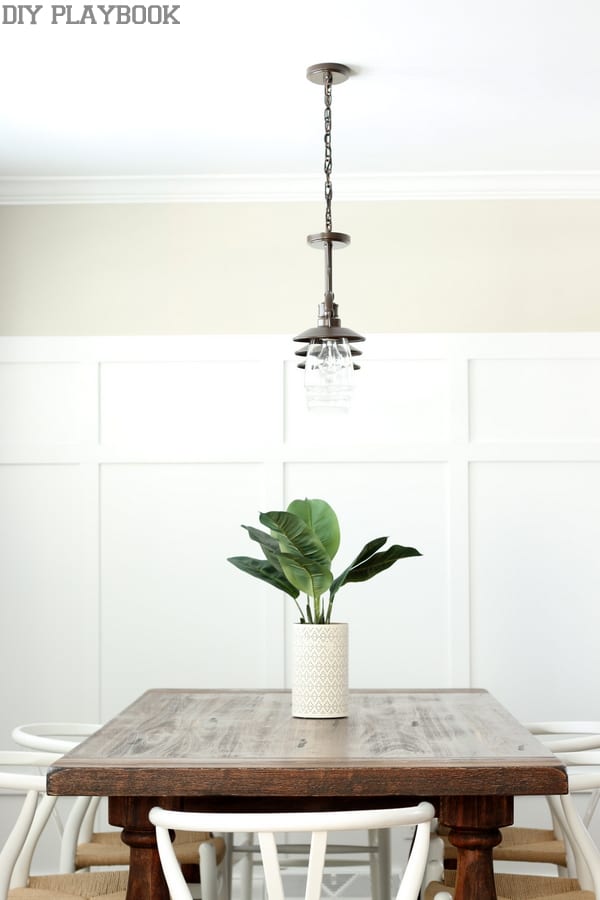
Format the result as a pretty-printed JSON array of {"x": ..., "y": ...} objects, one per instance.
[{"x": 328, "y": 357}]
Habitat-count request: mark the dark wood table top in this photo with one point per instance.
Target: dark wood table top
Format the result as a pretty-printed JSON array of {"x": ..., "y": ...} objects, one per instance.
[{"x": 246, "y": 743}]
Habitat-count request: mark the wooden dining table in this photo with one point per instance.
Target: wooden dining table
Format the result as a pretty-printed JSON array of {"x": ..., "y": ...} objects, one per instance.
[{"x": 243, "y": 750}]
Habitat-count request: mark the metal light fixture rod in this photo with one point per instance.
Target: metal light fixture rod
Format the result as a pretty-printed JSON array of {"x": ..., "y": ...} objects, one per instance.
[
  {"x": 329, "y": 326},
  {"x": 328, "y": 276}
]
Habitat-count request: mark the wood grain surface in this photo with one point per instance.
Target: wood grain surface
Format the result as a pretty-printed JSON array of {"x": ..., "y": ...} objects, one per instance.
[{"x": 409, "y": 743}]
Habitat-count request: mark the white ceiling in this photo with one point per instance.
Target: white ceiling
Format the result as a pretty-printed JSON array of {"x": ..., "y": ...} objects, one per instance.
[{"x": 440, "y": 86}]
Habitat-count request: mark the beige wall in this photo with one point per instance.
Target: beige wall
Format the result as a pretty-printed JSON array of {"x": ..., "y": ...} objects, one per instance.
[{"x": 413, "y": 266}]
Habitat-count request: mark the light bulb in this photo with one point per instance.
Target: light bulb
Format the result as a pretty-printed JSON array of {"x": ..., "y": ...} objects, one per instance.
[{"x": 328, "y": 375}]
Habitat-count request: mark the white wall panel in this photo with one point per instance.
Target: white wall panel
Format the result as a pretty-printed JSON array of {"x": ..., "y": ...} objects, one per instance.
[
  {"x": 49, "y": 634},
  {"x": 481, "y": 450},
  {"x": 535, "y": 586},
  {"x": 209, "y": 402},
  {"x": 394, "y": 400},
  {"x": 46, "y": 403},
  {"x": 389, "y": 614},
  {"x": 174, "y": 612},
  {"x": 535, "y": 399}
]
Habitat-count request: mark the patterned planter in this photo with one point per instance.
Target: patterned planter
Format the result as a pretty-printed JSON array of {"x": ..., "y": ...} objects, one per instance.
[{"x": 320, "y": 671}]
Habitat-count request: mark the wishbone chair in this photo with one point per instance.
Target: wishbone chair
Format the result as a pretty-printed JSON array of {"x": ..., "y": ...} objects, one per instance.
[
  {"x": 82, "y": 847},
  {"x": 267, "y": 825},
  {"x": 583, "y": 882},
  {"x": 16, "y": 881},
  {"x": 524, "y": 844}
]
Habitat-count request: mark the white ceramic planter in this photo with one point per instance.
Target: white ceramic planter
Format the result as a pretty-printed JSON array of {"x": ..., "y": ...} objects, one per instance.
[{"x": 320, "y": 671}]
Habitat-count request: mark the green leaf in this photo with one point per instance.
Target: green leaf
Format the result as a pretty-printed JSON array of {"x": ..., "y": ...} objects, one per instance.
[
  {"x": 367, "y": 563},
  {"x": 263, "y": 569},
  {"x": 367, "y": 551},
  {"x": 321, "y": 519},
  {"x": 295, "y": 537},
  {"x": 269, "y": 545},
  {"x": 308, "y": 575},
  {"x": 302, "y": 557}
]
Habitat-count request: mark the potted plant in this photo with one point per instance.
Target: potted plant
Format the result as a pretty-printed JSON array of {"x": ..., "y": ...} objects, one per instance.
[{"x": 298, "y": 551}]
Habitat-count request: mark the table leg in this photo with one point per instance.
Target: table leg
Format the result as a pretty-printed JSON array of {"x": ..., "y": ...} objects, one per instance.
[
  {"x": 146, "y": 880},
  {"x": 475, "y": 824}
]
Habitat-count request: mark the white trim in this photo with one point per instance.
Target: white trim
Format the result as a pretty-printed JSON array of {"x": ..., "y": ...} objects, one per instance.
[
  {"x": 275, "y": 347},
  {"x": 515, "y": 185},
  {"x": 457, "y": 485}
]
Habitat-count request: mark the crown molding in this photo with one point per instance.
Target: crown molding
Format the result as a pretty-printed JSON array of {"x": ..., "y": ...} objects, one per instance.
[{"x": 379, "y": 187}]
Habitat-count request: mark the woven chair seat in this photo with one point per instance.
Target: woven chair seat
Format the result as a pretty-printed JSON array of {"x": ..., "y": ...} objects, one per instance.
[
  {"x": 529, "y": 887},
  {"x": 89, "y": 885},
  {"x": 107, "y": 849},
  {"x": 522, "y": 887},
  {"x": 533, "y": 845}
]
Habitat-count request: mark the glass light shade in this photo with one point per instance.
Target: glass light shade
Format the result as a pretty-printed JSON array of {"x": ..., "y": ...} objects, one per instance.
[{"x": 329, "y": 375}]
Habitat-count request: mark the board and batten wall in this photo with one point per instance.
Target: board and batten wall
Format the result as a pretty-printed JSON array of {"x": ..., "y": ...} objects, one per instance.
[{"x": 128, "y": 465}]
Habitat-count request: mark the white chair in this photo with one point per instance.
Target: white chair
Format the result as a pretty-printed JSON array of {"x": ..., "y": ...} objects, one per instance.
[
  {"x": 538, "y": 846},
  {"x": 583, "y": 881},
  {"x": 581, "y": 736},
  {"x": 83, "y": 847},
  {"x": 60, "y": 737},
  {"x": 78, "y": 829},
  {"x": 564, "y": 736},
  {"x": 267, "y": 825},
  {"x": 53, "y": 737},
  {"x": 585, "y": 850},
  {"x": 16, "y": 882},
  {"x": 583, "y": 885}
]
